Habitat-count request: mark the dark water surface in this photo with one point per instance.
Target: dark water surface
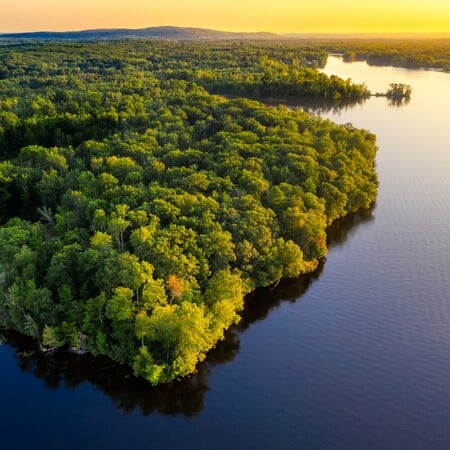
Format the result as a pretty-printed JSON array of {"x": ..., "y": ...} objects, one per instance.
[{"x": 354, "y": 356}]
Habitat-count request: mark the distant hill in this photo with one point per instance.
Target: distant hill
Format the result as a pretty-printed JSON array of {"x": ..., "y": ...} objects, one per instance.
[
  {"x": 183, "y": 33},
  {"x": 167, "y": 32}
]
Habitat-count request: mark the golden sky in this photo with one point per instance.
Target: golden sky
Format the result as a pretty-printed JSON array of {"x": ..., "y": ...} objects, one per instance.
[{"x": 231, "y": 15}]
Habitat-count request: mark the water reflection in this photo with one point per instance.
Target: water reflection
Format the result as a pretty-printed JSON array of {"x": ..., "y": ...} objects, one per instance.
[
  {"x": 341, "y": 230},
  {"x": 332, "y": 106},
  {"x": 398, "y": 102},
  {"x": 323, "y": 108},
  {"x": 63, "y": 370}
]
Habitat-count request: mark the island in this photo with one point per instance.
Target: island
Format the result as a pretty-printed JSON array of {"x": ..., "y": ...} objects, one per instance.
[{"x": 138, "y": 207}]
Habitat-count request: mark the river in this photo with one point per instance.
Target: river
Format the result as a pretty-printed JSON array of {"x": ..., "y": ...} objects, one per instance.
[{"x": 354, "y": 356}]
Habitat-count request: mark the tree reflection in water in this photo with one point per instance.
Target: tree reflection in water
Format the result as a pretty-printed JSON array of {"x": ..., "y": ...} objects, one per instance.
[
  {"x": 184, "y": 396},
  {"x": 337, "y": 106},
  {"x": 398, "y": 102},
  {"x": 332, "y": 106}
]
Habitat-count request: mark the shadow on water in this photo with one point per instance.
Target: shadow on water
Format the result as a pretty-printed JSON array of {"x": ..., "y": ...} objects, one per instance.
[{"x": 186, "y": 397}]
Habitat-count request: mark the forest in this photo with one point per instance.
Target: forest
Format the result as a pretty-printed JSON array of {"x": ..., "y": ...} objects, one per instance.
[
  {"x": 138, "y": 208},
  {"x": 407, "y": 53}
]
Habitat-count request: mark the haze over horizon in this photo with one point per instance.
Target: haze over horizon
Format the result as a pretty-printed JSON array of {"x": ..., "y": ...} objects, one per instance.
[{"x": 278, "y": 16}]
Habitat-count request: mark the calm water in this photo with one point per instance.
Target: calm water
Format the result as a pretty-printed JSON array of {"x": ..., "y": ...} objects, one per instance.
[{"x": 355, "y": 356}]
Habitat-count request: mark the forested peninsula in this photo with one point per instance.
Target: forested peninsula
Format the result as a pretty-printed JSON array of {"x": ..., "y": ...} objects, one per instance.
[{"x": 137, "y": 208}]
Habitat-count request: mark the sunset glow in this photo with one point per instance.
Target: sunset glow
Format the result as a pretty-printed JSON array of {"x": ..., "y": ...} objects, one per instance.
[{"x": 280, "y": 16}]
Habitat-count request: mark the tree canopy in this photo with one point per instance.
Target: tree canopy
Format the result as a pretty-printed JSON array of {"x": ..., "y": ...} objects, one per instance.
[{"x": 137, "y": 208}]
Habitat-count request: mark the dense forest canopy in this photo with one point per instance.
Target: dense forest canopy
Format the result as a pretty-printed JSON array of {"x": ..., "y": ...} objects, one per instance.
[{"x": 137, "y": 209}]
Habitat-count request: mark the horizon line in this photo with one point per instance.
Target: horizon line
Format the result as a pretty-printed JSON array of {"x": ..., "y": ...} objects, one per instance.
[{"x": 284, "y": 33}]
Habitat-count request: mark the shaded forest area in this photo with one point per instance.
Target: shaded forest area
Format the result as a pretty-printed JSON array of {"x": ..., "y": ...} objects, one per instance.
[{"x": 137, "y": 208}]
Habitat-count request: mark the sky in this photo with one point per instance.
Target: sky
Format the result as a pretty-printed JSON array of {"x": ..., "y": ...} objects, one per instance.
[{"x": 279, "y": 16}]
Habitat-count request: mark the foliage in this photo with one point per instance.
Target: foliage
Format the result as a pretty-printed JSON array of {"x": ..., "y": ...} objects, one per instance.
[
  {"x": 138, "y": 209},
  {"x": 398, "y": 91}
]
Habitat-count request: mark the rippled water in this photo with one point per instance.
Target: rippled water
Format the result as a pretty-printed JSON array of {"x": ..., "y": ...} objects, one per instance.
[{"x": 355, "y": 356}]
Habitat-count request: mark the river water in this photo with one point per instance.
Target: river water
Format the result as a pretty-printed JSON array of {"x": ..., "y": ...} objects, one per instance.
[{"x": 354, "y": 356}]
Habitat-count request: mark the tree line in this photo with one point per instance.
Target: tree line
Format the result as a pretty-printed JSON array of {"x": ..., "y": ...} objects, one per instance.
[{"x": 433, "y": 53}]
